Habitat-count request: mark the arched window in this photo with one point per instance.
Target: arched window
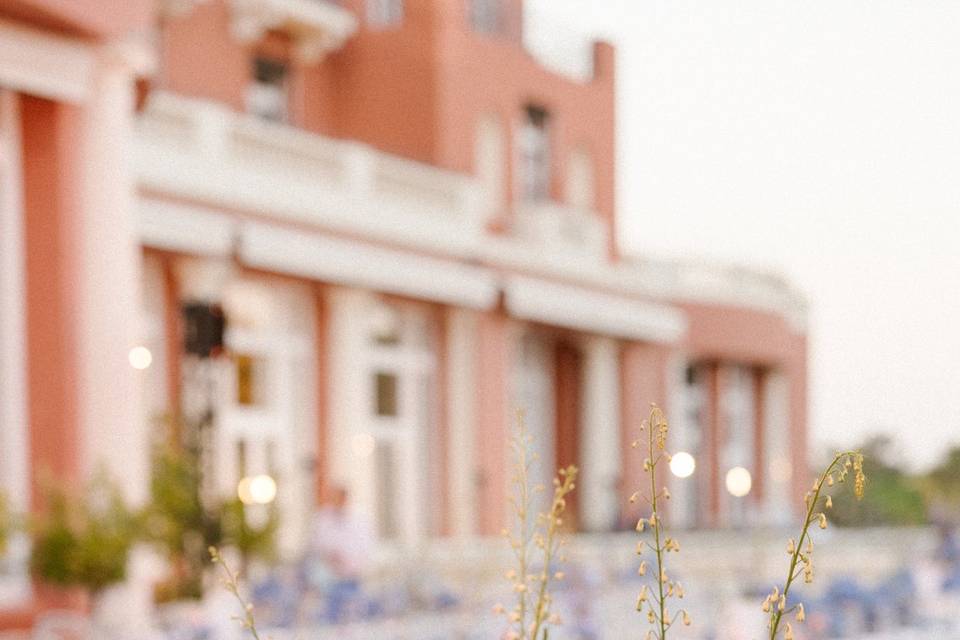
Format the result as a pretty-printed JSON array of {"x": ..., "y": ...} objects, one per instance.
[
  {"x": 384, "y": 13},
  {"x": 533, "y": 155},
  {"x": 486, "y": 16},
  {"x": 489, "y": 159},
  {"x": 579, "y": 184}
]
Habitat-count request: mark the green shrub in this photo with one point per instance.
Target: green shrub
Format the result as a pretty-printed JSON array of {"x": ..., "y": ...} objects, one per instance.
[
  {"x": 184, "y": 525},
  {"x": 82, "y": 540},
  {"x": 178, "y": 523}
]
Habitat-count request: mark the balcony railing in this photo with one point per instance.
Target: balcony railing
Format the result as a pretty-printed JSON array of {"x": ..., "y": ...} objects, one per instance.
[
  {"x": 208, "y": 153},
  {"x": 561, "y": 227},
  {"x": 722, "y": 283}
]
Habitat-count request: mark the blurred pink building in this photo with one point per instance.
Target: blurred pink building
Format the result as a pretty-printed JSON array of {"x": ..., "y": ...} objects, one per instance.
[{"x": 408, "y": 222}]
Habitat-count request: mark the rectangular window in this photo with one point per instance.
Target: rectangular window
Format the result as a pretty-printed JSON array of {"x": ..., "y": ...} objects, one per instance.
[
  {"x": 267, "y": 94},
  {"x": 486, "y": 16},
  {"x": 534, "y": 149},
  {"x": 251, "y": 376},
  {"x": 386, "y": 395},
  {"x": 687, "y": 503},
  {"x": 388, "y": 526},
  {"x": 384, "y": 13},
  {"x": 241, "y": 459}
]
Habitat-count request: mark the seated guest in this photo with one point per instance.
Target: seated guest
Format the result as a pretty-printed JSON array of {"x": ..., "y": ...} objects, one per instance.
[{"x": 341, "y": 543}]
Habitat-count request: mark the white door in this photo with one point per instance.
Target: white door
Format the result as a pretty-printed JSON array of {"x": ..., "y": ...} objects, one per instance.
[
  {"x": 381, "y": 399},
  {"x": 267, "y": 398},
  {"x": 690, "y": 493},
  {"x": 400, "y": 364},
  {"x": 738, "y": 402}
]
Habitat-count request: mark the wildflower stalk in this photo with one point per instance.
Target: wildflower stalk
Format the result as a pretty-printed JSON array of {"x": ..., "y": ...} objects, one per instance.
[
  {"x": 232, "y": 584},
  {"x": 551, "y": 544},
  {"x": 658, "y": 613},
  {"x": 521, "y": 504},
  {"x": 544, "y": 534},
  {"x": 776, "y": 602},
  {"x": 657, "y": 526}
]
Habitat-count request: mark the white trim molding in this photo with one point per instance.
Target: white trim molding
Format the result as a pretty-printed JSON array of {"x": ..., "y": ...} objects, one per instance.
[
  {"x": 202, "y": 152},
  {"x": 362, "y": 265},
  {"x": 38, "y": 63},
  {"x": 593, "y": 311},
  {"x": 185, "y": 229}
]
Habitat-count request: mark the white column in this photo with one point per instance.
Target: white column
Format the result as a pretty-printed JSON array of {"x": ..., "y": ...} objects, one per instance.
[
  {"x": 14, "y": 442},
  {"x": 778, "y": 473},
  {"x": 351, "y": 449},
  {"x": 600, "y": 435},
  {"x": 14, "y": 474},
  {"x": 108, "y": 285},
  {"x": 534, "y": 393},
  {"x": 461, "y": 416}
]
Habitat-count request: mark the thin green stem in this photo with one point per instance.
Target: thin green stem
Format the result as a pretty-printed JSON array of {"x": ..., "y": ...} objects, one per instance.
[
  {"x": 542, "y": 591},
  {"x": 661, "y": 602},
  {"x": 523, "y": 482},
  {"x": 233, "y": 587},
  {"x": 792, "y": 573},
  {"x": 550, "y": 546}
]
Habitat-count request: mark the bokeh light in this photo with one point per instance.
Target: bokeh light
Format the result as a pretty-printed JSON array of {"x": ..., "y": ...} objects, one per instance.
[
  {"x": 683, "y": 465},
  {"x": 261, "y": 489},
  {"x": 140, "y": 357},
  {"x": 739, "y": 482}
]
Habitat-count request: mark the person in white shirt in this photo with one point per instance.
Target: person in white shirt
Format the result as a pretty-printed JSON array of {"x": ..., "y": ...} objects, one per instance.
[
  {"x": 341, "y": 538},
  {"x": 341, "y": 543}
]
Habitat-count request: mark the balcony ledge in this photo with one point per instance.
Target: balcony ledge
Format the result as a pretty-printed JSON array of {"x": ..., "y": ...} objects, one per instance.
[
  {"x": 317, "y": 26},
  {"x": 561, "y": 228}
]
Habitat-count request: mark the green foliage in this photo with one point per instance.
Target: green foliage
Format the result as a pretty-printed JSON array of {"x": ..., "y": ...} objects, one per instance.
[
  {"x": 83, "y": 540},
  {"x": 944, "y": 480},
  {"x": 941, "y": 486},
  {"x": 242, "y": 530},
  {"x": 177, "y": 521},
  {"x": 5, "y": 523},
  {"x": 184, "y": 523},
  {"x": 894, "y": 497},
  {"x": 176, "y": 518}
]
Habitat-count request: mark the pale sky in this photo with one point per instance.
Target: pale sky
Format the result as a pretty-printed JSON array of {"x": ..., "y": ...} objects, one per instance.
[{"x": 820, "y": 138}]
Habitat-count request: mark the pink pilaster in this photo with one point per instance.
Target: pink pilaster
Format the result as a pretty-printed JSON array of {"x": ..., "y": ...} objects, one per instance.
[
  {"x": 493, "y": 420},
  {"x": 643, "y": 378}
]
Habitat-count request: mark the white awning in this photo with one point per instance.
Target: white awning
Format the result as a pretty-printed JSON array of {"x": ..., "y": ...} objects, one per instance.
[
  {"x": 362, "y": 265},
  {"x": 592, "y": 311},
  {"x": 184, "y": 228}
]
